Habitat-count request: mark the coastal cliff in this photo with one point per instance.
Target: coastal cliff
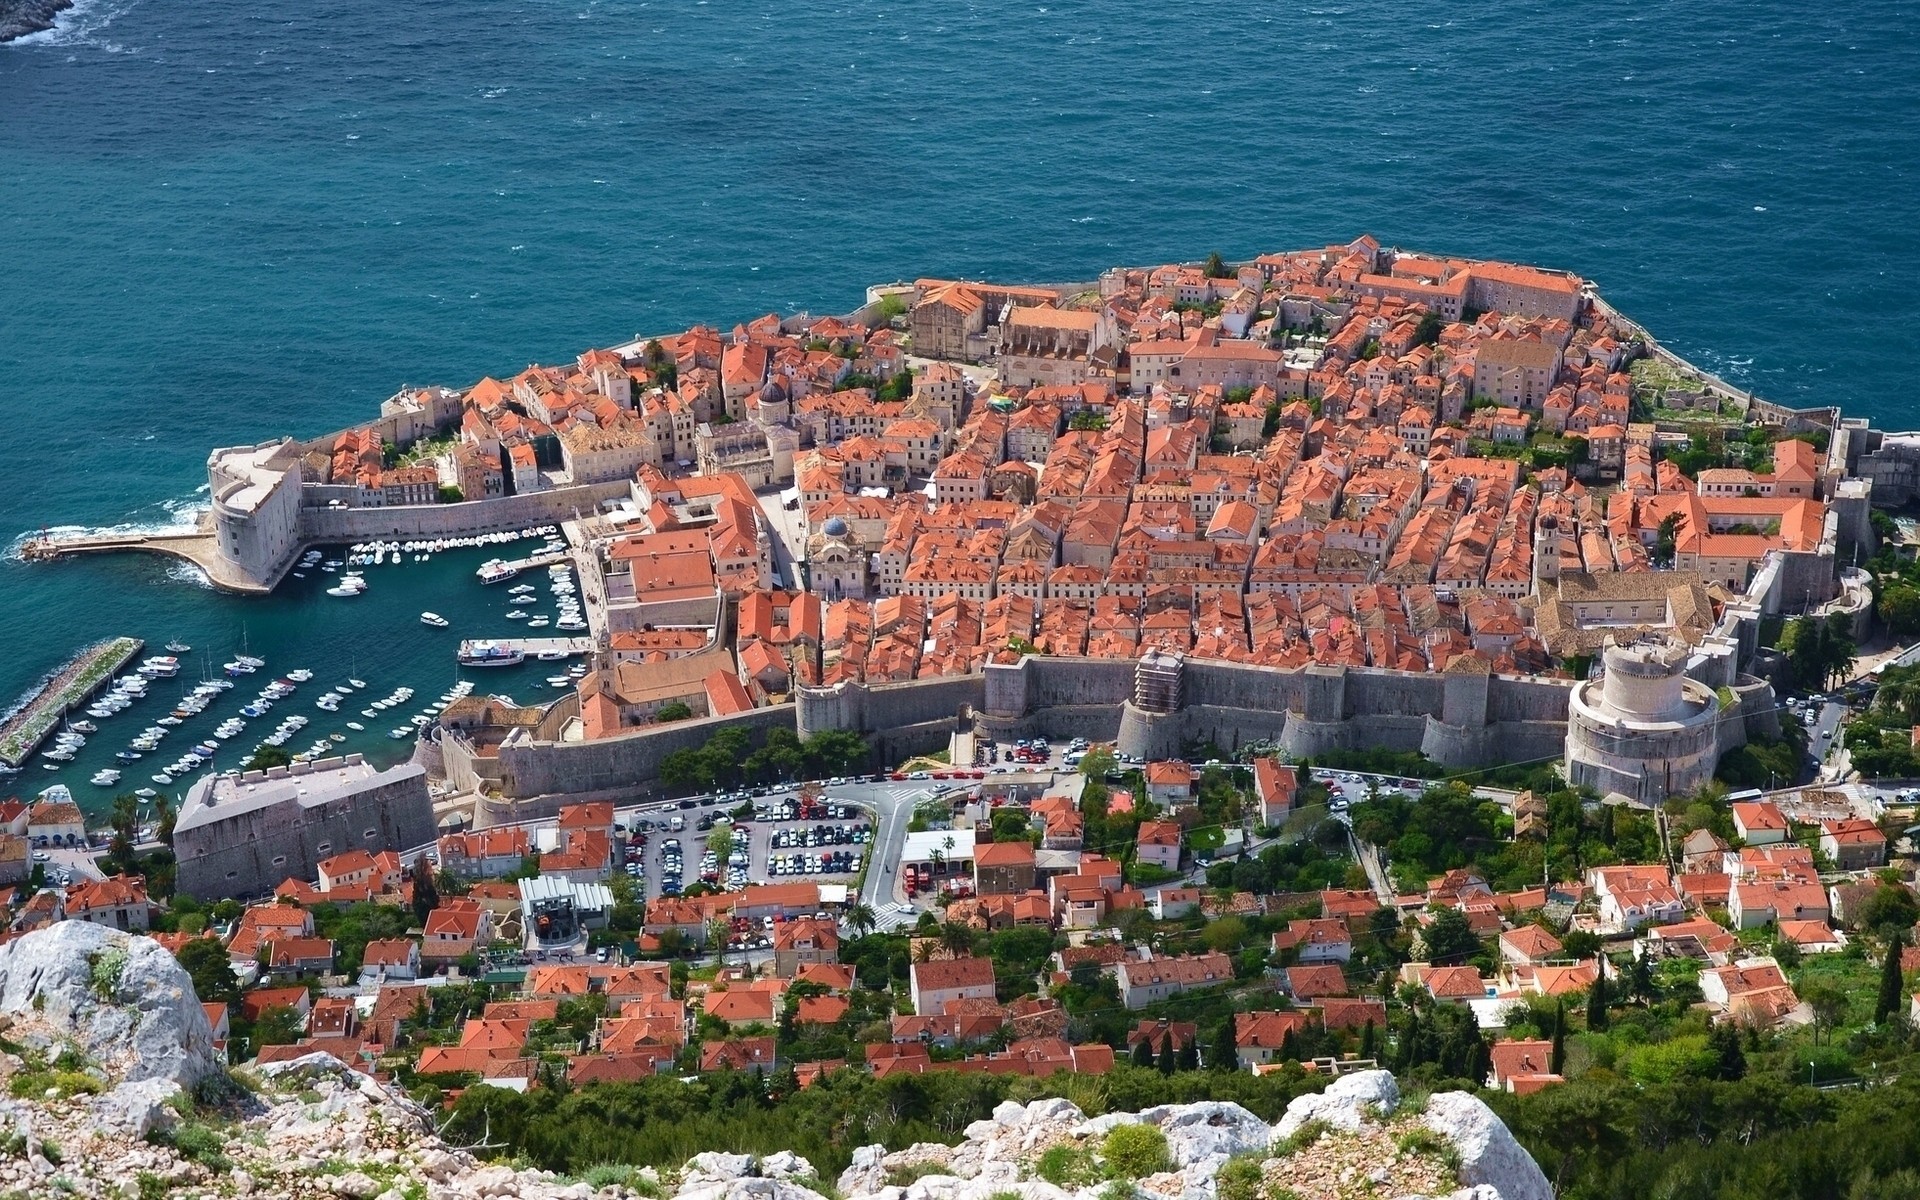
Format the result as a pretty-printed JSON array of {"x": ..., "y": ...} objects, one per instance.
[
  {"x": 18, "y": 18},
  {"x": 117, "y": 1091}
]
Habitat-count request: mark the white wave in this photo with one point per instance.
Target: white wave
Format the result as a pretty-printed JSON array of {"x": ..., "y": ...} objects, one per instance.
[
  {"x": 181, "y": 515},
  {"x": 81, "y": 26},
  {"x": 182, "y": 571}
]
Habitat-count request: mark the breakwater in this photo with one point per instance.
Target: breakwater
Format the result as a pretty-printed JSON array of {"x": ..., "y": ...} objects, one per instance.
[{"x": 63, "y": 691}]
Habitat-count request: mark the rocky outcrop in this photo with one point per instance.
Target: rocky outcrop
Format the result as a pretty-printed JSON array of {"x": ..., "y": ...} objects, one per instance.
[
  {"x": 18, "y": 18},
  {"x": 1347, "y": 1104},
  {"x": 123, "y": 1001},
  {"x": 1489, "y": 1157}
]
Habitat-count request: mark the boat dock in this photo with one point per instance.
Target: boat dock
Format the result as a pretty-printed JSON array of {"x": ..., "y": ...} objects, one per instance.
[
  {"x": 539, "y": 560},
  {"x": 65, "y": 690},
  {"x": 532, "y": 647}
]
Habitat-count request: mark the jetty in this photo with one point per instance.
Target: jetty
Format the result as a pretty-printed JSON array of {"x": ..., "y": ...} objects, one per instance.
[
  {"x": 538, "y": 560},
  {"x": 65, "y": 690},
  {"x": 532, "y": 647}
]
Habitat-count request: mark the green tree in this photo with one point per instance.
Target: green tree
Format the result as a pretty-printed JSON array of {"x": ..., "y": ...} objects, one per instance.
[
  {"x": 1730, "y": 1061},
  {"x": 1899, "y": 607},
  {"x": 1217, "y": 268},
  {"x": 1890, "y": 907},
  {"x": 1189, "y": 1059},
  {"x": 426, "y": 896},
  {"x": 1597, "y": 997},
  {"x": 1169, "y": 1060},
  {"x": 862, "y": 919},
  {"x": 125, "y": 820},
  {"x": 720, "y": 843},
  {"x": 677, "y": 710},
  {"x": 1143, "y": 1053},
  {"x": 206, "y": 963},
  {"x": 1450, "y": 939},
  {"x": 1829, "y": 1005},
  {"x": 266, "y": 758},
  {"x": 164, "y": 817},
  {"x": 1097, "y": 763},
  {"x": 277, "y": 1026},
  {"x": 1893, "y": 992}
]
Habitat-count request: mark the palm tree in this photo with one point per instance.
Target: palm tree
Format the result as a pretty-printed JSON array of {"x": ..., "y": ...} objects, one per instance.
[
  {"x": 862, "y": 919},
  {"x": 957, "y": 938}
]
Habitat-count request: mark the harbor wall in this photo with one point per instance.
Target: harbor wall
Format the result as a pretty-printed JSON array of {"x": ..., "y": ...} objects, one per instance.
[{"x": 492, "y": 515}]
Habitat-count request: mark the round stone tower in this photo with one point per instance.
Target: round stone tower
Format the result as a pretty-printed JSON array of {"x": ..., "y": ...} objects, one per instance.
[{"x": 1643, "y": 728}]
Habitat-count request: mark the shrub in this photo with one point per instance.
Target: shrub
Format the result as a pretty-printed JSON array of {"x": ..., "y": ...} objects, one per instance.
[
  {"x": 1240, "y": 1178},
  {"x": 1067, "y": 1167},
  {"x": 904, "y": 1176},
  {"x": 106, "y": 970},
  {"x": 196, "y": 1143},
  {"x": 1135, "y": 1151},
  {"x": 1302, "y": 1137},
  {"x": 1425, "y": 1142}
]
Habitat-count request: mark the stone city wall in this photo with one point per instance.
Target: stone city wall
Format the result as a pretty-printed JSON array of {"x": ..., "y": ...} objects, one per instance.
[
  {"x": 627, "y": 766},
  {"x": 492, "y": 515}
]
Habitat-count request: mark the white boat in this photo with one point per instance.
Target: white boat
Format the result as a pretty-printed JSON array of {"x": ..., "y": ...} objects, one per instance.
[
  {"x": 518, "y": 614},
  {"x": 178, "y": 648},
  {"x": 496, "y": 572},
  {"x": 356, "y": 726},
  {"x": 397, "y": 734},
  {"x": 163, "y": 779},
  {"x": 250, "y": 660},
  {"x": 84, "y": 727},
  {"x": 538, "y": 623},
  {"x": 357, "y": 683},
  {"x": 344, "y": 591},
  {"x": 434, "y": 619},
  {"x": 300, "y": 676}
]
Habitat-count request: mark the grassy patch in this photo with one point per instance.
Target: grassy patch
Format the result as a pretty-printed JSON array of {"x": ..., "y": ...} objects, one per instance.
[
  {"x": 904, "y": 1176},
  {"x": 1067, "y": 1167},
  {"x": 1302, "y": 1137}
]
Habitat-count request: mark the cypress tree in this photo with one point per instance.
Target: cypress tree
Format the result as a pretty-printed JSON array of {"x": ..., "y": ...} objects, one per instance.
[
  {"x": 1225, "y": 1055},
  {"x": 1367, "y": 1037},
  {"x": 1597, "y": 998},
  {"x": 1289, "y": 1046},
  {"x": 1143, "y": 1053},
  {"x": 1557, "y": 1064},
  {"x": 1167, "y": 1063},
  {"x": 1189, "y": 1053},
  {"x": 1892, "y": 986},
  {"x": 1730, "y": 1062}
]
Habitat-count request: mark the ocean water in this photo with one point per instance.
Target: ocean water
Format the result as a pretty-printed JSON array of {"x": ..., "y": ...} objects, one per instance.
[{"x": 220, "y": 222}]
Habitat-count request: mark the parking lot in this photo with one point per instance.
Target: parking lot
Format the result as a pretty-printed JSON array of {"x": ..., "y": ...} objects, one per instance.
[{"x": 786, "y": 840}]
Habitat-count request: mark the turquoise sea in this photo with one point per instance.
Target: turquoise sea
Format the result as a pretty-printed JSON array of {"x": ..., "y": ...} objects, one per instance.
[{"x": 222, "y": 221}]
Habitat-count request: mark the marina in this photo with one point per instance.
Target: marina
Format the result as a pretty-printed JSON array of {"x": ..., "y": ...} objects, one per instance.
[{"x": 236, "y": 646}]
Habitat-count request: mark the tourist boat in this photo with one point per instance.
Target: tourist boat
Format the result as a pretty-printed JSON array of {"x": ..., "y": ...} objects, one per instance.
[
  {"x": 434, "y": 619},
  {"x": 489, "y": 654},
  {"x": 496, "y": 572}
]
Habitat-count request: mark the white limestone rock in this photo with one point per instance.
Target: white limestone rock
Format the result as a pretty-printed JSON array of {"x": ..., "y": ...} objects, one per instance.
[
  {"x": 867, "y": 1173},
  {"x": 1347, "y": 1104},
  {"x": 1489, "y": 1155},
  {"x": 133, "y": 1109},
  {"x": 1054, "y": 1109},
  {"x": 1208, "y": 1129},
  {"x": 126, "y": 1001},
  {"x": 712, "y": 1165},
  {"x": 785, "y": 1164}
]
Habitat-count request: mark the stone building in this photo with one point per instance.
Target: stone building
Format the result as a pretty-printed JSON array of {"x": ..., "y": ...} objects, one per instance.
[{"x": 241, "y": 834}]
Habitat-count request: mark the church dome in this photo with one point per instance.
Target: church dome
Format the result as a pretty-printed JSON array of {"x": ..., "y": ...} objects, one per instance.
[{"x": 835, "y": 527}]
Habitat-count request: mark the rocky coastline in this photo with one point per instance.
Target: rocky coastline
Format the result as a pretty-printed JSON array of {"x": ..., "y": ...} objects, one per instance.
[{"x": 18, "y": 18}]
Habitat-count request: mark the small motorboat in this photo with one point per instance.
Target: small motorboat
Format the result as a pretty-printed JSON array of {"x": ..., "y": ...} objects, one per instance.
[
  {"x": 434, "y": 619},
  {"x": 178, "y": 648},
  {"x": 356, "y": 726},
  {"x": 397, "y": 734}
]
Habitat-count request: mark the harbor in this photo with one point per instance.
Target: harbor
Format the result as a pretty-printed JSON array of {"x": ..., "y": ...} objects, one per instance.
[
  {"x": 367, "y": 671},
  {"x": 66, "y": 690}
]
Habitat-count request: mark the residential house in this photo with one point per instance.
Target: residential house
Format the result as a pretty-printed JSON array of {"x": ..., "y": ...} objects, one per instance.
[
  {"x": 936, "y": 984},
  {"x": 1147, "y": 980}
]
